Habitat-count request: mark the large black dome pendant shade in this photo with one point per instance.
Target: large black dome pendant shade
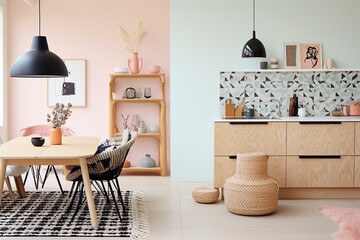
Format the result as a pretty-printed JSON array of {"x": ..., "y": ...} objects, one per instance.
[
  {"x": 39, "y": 62},
  {"x": 254, "y": 47}
]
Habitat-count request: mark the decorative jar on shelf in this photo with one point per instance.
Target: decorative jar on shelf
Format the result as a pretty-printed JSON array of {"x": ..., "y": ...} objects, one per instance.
[
  {"x": 135, "y": 63},
  {"x": 147, "y": 162},
  {"x": 142, "y": 127}
]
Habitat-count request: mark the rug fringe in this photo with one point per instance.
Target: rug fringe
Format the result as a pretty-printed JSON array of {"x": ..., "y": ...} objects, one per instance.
[{"x": 140, "y": 217}]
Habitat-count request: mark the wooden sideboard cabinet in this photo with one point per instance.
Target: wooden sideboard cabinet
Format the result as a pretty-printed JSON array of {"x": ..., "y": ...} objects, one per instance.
[
  {"x": 232, "y": 138},
  {"x": 308, "y": 159}
]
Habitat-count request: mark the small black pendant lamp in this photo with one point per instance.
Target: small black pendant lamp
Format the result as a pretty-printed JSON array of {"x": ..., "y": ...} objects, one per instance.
[
  {"x": 39, "y": 62},
  {"x": 254, "y": 47}
]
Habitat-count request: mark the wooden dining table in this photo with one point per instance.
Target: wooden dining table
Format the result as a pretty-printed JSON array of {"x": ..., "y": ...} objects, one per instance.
[{"x": 73, "y": 151}]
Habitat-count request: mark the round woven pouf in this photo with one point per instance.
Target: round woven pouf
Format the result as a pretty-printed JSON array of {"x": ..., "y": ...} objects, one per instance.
[
  {"x": 205, "y": 195},
  {"x": 251, "y": 191}
]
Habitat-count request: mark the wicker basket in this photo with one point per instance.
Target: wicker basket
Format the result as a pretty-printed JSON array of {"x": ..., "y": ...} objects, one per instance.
[
  {"x": 250, "y": 191},
  {"x": 205, "y": 195}
]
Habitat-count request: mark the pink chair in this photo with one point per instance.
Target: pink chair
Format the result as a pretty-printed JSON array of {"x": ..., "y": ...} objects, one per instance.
[{"x": 43, "y": 130}]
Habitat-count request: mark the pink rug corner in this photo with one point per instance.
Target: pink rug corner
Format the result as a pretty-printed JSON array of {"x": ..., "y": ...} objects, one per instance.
[{"x": 347, "y": 218}]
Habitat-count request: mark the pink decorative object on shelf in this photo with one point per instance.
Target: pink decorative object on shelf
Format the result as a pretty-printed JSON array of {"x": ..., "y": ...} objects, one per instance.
[{"x": 154, "y": 69}]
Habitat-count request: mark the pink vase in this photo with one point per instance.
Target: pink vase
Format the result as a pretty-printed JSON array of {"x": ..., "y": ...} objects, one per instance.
[{"x": 135, "y": 63}]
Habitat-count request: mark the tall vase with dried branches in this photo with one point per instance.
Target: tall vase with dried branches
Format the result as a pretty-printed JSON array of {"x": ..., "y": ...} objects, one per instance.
[{"x": 132, "y": 45}]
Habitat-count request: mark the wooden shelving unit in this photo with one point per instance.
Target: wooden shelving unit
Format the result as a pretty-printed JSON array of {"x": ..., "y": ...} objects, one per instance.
[{"x": 161, "y": 136}]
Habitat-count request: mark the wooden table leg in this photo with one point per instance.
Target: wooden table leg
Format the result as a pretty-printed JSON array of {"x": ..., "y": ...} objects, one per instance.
[
  {"x": 89, "y": 196},
  {"x": 3, "y": 164}
]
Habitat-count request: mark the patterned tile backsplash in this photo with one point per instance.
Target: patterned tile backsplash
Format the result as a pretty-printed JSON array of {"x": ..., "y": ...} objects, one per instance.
[{"x": 319, "y": 92}]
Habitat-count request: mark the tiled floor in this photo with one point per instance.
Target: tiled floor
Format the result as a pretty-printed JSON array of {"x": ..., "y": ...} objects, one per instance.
[{"x": 174, "y": 215}]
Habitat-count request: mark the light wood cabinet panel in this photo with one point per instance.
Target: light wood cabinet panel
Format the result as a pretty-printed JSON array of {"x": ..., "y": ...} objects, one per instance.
[
  {"x": 320, "y": 172},
  {"x": 266, "y": 137},
  {"x": 221, "y": 139},
  {"x": 357, "y": 171},
  {"x": 320, "y": 139},
  {"x": 276, "y": 168},
  {"x": 225, "y": 167},
  {"x": 357, "y": 138}
]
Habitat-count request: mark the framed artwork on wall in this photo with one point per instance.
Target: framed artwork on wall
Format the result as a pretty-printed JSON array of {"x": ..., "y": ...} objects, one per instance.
[
  {"x": 71, "y": 89},
  {"x": 311, "y": 55},
  {"x": 291, "y": 55}
]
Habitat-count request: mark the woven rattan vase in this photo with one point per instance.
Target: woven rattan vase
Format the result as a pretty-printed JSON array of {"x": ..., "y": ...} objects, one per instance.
[{"x": 251, "y": 191}]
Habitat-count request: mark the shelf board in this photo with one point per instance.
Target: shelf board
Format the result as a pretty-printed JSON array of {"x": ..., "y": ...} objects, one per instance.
[
  {"x": 130, "y": 75},
  {"x": 157, "y": 135},
  {"x": 129, "y": 170},
  {"x": 138, "y": 100}
]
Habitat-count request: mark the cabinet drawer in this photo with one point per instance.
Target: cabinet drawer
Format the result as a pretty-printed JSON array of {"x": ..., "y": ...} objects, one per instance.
[
  {"x": 234, "y": 138},
  {"x": 225, "y": 168},
  {"x": 357, "y": 138},
  {"x": 320, "y": 172},
  {"x": 320, "y": 139}
]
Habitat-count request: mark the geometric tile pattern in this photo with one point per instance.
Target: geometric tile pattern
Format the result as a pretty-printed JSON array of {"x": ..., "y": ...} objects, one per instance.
[{"x": 319, "y": 92}]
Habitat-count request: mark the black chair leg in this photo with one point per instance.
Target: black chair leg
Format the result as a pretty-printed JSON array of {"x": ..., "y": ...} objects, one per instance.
[
  {"x": 58, "y": 180},
  {"x": 105, "y": 192},
  {"x": 48, "y": 170},
  {"x": 76, "y": 184},
  {"x": 113, "y": 196},
  {"x": 80, "y": 200},
  {"x": 120, "y": 195},
  {"x": 35, "y": 172}
]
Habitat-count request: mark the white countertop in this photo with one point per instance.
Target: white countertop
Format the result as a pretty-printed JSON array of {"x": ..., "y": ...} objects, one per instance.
[{"x": 295, "y": 119}]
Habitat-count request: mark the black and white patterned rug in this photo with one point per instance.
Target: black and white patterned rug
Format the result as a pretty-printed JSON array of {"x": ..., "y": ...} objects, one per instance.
[{"x": 45, "y": 214}]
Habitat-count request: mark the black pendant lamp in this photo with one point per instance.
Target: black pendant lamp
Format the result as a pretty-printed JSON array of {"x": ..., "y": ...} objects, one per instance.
[
  {"x": 254, "y": 47},
  {"x": 39, "y": 62}
]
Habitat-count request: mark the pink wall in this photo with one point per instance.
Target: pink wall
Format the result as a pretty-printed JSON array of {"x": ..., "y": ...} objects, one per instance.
[{"x": 84, "y": 29}]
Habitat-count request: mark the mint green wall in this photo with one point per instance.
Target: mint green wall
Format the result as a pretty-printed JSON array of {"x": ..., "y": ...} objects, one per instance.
[{"x": 207, "y": 36}]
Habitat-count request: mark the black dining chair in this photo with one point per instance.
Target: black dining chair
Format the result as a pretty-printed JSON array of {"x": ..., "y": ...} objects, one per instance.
[{"x": 104, "y": 169}]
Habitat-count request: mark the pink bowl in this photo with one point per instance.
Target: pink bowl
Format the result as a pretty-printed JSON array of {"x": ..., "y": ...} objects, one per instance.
[{"x": 154, "y": 69}]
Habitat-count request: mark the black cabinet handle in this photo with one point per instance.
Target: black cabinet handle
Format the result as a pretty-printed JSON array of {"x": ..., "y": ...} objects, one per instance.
[
  {"x": 232, "y": 157},
  {"x": 315, "y": 122},
  {"x": 238, "y": 123},
  {"x": 319, "y": 156}
]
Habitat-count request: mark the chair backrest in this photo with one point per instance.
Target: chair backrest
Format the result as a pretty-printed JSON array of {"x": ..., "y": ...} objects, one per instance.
[
  {"x": 44, "y": 130},
  {"x": 106, "y": 162}
]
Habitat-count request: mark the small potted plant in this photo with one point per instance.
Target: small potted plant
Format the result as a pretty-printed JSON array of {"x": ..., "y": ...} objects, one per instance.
[{"x": 58, "y": 118}]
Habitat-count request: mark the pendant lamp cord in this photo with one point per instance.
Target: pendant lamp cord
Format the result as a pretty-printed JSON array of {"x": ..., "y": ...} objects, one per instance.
[
  {"x": 253, "y": 15},
  {"x": 39, "y": 19}
]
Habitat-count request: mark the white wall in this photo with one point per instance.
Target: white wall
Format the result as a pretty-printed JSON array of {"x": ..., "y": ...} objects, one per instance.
[{"x": 207, "y": 36}]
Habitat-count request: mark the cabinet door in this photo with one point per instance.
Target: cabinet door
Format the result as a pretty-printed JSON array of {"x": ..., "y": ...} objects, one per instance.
[
  {"x": 320, "y": 172},
  {"x": 320, "y": 139},
  {"x": 239, "y": 137},
  {"x": 357, "y": 171},
  {"x": 357, "y": 138},
  {"x": 276, "y": 168},
  {"x": 225, "y": 167},
  {"x": 221, "y": 139}
]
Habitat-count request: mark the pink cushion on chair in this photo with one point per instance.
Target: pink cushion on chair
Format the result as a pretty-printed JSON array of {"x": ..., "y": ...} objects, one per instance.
[{"x": 44, "y": 130}]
